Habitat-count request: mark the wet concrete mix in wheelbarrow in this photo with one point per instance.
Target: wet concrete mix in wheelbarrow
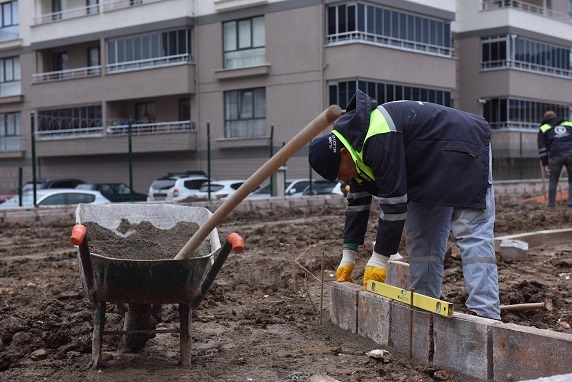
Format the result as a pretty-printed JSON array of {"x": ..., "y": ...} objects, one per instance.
[
  {"x": 142, "y": 241},
  {"x": 257, "y": 322}
]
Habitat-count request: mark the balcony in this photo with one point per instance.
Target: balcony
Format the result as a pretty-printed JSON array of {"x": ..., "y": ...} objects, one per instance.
[
  {"x": 70, "y": 74},
  {"x": 89, "y": 10},
  {"x": 488, "y": 5},
  {"x": 66, "y": 14},
  {"x": 113, "y": 138},
  {"x": 113, "y": 128}
]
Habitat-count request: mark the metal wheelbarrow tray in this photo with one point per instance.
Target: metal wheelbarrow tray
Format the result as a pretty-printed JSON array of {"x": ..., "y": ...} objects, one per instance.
[{"x": 111, "y": 278}]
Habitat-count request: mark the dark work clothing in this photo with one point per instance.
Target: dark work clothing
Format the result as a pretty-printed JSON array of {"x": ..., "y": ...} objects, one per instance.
[
  {"x": 428, "y": 153},
  {"x": 555, "y": 151},
  {"x": 554, "y": 138}
]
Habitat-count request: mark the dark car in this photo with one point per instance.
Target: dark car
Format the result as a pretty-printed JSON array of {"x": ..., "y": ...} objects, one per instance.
[
  {"x": 116, "y": 192},
  {"x": 53, "y": 183}
]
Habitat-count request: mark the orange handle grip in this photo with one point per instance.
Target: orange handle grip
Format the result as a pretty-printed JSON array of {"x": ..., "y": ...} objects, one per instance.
[
  {"x": 78, "y": 234},
  {"x": 236, "y": 242}
]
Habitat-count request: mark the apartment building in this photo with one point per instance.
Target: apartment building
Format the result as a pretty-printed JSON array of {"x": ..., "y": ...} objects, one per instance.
[{"x": 101, "y": 89}]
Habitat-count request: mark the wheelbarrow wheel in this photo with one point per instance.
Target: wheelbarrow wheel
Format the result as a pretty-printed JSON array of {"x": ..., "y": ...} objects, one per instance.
[{"x": 140, "y": 317}]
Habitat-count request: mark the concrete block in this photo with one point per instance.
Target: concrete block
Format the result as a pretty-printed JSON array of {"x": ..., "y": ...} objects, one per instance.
[
  {"x": 554, "y": 378},
  {"x": 402, "y": 319},
  {"x": 373, "y": 317},
  {"x": 298, "y": 202},
  {"x": 513, "y": 250},
  {"x": 398, "y": 274},
  {"x": 523, "y": 352},
  {"x": 344, "y": 305},
  {"x": 464, "y": 343}
]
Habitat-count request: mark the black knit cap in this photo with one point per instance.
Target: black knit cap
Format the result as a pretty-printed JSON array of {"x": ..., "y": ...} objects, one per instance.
[{"x": 324, "y": 156}]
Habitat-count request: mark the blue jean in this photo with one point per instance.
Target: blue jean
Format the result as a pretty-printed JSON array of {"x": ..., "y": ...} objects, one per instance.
[
  {"x": 555, "y": 164},
  {"x": 427, "y": 231}
]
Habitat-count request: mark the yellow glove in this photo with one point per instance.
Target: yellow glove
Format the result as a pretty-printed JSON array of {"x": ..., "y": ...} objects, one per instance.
[
  {"x": 375, "y": 269},
  {"x": 373, "y": 273},
  {"x": 344, "y": 271}
]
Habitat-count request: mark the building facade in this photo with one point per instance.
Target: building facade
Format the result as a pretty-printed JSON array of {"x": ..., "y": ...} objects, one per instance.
[{"x": 108, "y": 90}]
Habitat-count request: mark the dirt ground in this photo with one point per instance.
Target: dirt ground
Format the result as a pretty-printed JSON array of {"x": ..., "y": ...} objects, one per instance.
[{"x": 253, "y": 324}]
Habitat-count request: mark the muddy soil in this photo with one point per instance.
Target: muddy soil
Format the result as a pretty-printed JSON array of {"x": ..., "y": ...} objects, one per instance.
[{"x": 257, "y": 322}]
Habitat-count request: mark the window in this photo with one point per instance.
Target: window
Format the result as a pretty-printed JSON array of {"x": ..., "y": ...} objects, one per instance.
[
  {"x": 60, "y": 61},
  {"x": 145, "y": 112},
  {"x": 356, "y": 21},
  {"x": 244, "y": 43},
  {"x": 514, "y": 113},
  {"x": 342, "y": 92},
  {"x": 10, "y": 132},
  {"x": 184, "y": 109},
  {"x": 10, "y": 77},
  {"x": 245, "y": 113},
  {"x": 10, "y": 21},
  {"x": 512, "y": 51},
  {"x": 92, "y": 6},
  {"x": 143, "y": 51}
]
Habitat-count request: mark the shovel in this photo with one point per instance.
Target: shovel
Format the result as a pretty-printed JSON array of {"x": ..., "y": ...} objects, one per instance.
[{"x": 322, "y": 121}]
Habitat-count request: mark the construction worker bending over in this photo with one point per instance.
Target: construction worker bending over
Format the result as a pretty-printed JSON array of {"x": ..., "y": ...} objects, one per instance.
[{"x": 430, "y": 167}]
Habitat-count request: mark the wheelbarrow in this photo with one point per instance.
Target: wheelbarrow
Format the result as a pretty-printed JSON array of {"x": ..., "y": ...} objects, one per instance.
[{"x": 143, "y": 283}]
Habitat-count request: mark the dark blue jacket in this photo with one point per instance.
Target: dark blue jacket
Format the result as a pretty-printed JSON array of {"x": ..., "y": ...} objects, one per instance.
[
  {"x": 434, "y": 154},
  {"x": 554, "y": 138}
]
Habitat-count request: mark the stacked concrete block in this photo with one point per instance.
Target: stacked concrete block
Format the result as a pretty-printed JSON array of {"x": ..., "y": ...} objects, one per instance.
[
  {"x": 344, "y": 305},
  {"x": 373, "y": 317},
  {"x": 410, "y": 331},
  {"x": 522, "y": 352},
  {"x": 464, "y": 341}
]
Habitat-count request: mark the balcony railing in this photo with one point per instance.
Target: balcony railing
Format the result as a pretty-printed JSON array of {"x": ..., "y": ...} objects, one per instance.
[
  {"x": 116, "y": 128},
  {"x": 72, "y": 13},
  {"x": 526, "y": 7},
  {"x": 59, "y": 75},
  {"x": 67, "y": 14},
  {"x": 147, "y": 63},
  {"x": 112, "y": 5}
]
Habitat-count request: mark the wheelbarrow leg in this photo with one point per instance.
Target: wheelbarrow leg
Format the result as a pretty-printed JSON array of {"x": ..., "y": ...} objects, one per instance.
[
  {"x": 185, "y": 318},
  {"x": 98, "y": 326}
]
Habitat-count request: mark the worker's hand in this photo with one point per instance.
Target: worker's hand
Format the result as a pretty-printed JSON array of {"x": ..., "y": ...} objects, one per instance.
[
  {"x": 375, "y": 269},
  {"x": 344, "y": 271},
  {"x": 547, "y": 169}
]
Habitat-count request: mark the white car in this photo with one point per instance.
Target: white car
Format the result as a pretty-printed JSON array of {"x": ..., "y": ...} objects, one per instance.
[
  {"x": 175, "y": 188},
  {"x": 220, "y": 189},
  {"x": 56, "y": 197},
  {"x": 292, "y": 187},
  {"x": 325, "y": 187}
]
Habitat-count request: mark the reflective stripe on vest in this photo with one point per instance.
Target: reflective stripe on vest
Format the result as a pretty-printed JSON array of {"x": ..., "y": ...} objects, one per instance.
[
  {"x": 544, "y": 128},
  {"x": 380, "y": 122}
]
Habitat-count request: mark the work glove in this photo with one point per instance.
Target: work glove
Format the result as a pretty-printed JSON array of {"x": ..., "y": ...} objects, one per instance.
[
  {"x": 375, "y": 269},
  {"x": 344, "y": 271}
]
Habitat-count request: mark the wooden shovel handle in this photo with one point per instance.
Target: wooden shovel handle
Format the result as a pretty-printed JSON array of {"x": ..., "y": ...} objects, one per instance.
[{"x": 321, "y": 122}]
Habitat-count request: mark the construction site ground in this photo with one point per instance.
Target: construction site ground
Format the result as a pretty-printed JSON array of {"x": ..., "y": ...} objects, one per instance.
[{"x": 266, "y": 317}]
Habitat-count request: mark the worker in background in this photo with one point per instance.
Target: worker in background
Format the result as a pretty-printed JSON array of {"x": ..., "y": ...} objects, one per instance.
[
  {"x": 430, "y": 168},
  {"x": 555, "y": 151}
]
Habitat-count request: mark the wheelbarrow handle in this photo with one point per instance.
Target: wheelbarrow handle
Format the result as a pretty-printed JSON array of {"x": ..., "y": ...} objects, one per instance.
[
  {"x": 79, "y": 239},
  {"x": 233, "y": 243}
]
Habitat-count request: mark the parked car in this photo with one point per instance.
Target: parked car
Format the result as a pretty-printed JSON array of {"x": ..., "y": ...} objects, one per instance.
[
  {"x": 220, "y": 189},
  {"x": 292, "y": 187},
  {"x": 324, "y": 187},
  {"x": 175, "y": 187},
  {"x": 55, "y": 197},
  {"x": 115, "y": 192},
  {"x": 52, "y": 183}
]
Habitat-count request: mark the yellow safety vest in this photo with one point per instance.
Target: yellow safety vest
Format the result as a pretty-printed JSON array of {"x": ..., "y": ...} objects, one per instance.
[{"x": 377, "y": 125}]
